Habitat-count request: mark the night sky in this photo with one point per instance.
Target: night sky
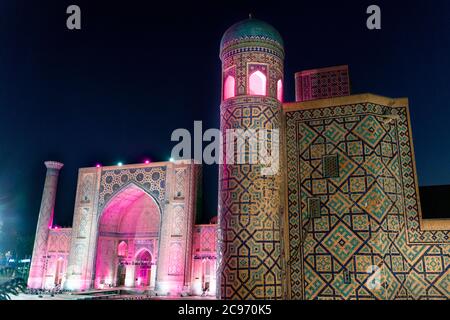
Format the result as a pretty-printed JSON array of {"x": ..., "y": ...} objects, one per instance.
[{"x": 115, "y": 90}]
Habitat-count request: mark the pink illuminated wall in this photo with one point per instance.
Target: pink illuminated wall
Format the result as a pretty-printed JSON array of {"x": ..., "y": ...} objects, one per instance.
[
  {"x": 257, "y": 84},
  {"x": 229, "y": 88},
  {"x": 204, "y": 259},
  {"x": 57, "y": 255}
]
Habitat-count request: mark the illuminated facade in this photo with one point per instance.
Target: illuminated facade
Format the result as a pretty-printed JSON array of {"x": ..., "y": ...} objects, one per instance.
[
  {"x": 340, "y": 219},
  {"x": 348, "y": 225},
  {"x": 134, "y": 227}
]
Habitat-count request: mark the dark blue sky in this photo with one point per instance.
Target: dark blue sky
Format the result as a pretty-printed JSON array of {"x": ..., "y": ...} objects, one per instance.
[{"x": 116, "y": 90}]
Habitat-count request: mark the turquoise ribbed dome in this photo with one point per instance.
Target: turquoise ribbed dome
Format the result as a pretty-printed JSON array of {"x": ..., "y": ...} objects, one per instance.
[{"x": 251, "y": 28}]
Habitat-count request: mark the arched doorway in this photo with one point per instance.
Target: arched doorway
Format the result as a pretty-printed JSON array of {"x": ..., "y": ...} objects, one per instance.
[
  {"x": 122, "y": 252},
  {"x": 143, "y": 264},
  {"x": 128, "y": 239}
]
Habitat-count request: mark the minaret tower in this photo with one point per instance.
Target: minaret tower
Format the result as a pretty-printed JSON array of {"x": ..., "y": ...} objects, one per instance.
[
  {"x": 45, "y": 222},
  {"x": 252, "y": 57}
]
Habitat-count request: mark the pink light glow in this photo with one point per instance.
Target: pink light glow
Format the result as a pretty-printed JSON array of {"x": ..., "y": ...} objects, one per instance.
[
  {"x": 122, "y": 249},
  {"x": 257, "y": 84},
  {"x": 280, "y": 90},
  {"x": 129, "y": 212},
  {"x": 229, "y": 88},
  {"x": 98, "y": 165},
  {"x": 143, "y": 268},
  {"x": 147, "y": 161}
]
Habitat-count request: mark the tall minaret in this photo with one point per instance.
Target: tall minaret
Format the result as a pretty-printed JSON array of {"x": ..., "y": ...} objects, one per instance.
[
  {"x": 252, "y": 57},
  {"x": 45, "y": 222}
]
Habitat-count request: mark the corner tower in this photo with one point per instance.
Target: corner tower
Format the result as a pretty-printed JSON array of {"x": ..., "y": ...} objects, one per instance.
[{"x": 252, "y": 56}]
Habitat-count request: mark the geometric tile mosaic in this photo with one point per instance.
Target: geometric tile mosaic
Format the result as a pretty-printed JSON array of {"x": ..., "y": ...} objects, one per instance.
[
  {"x": 370, "y": 130},
  {"x": 249, "y": 237},
  {"x": 375, "y": 202},
  {"x": 369, "y": 214},
  {"x": 342, "y": 243}
]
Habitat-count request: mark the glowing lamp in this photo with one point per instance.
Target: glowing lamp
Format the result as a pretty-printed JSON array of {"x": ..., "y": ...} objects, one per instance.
[
  {"x": 98, "y": 165},
  {"x": 120, "y": 164},
  {"x": 147, "y": 161},
  {"x": 171, "y": 159}
]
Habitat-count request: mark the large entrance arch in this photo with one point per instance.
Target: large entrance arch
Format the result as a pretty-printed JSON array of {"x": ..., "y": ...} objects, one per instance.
[{"x": 128, "y": 238}]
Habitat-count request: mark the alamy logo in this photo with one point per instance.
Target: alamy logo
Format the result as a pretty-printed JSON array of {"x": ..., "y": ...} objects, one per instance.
[
  {"x": 73, "y": 21},
  {"x": 234, "y": 146},
  {"x": 374, "y": 20}
]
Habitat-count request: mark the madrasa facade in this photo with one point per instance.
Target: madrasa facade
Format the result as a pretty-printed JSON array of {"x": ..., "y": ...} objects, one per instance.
[{"x": 340, "y": 219}]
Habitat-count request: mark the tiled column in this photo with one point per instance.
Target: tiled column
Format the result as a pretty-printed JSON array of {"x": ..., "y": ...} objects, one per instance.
[{"x": 249, "y": 238}]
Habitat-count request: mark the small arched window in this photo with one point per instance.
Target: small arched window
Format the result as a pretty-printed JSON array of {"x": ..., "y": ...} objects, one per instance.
[
  {"x": 280, "y": 90},
  {"x": 257, "y": 84},
  {"x": 122, "y": 249},
  {"x": 229, "y": 86}
]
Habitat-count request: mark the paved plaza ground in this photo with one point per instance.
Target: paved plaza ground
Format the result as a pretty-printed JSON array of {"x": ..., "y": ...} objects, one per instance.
[{"x": 105, "y": 295}]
